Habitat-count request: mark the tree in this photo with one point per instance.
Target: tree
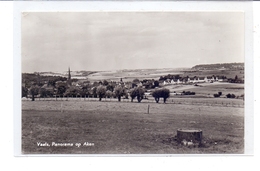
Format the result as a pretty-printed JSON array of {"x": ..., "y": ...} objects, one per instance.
[
  {"x": 110, "y": 87},
  {"x": 105, "y": 83},
  {"x": 136, "y": 81},
  {"x": 101, "y": 91},
  {"x": 43, "y": 92},
  {"x": 46, "y": 92},
  {"x": 156, "y": 83},
  {"x": 132, "y": 94},
  {"x": 34, "y": 90},
  {"x": 119, "y": 91},
  {"x": 164, "y": 93},
  {"x": 72, "y": 91},
  {"x": 61, "y": 89},
  {"x": 156, "y": 95},
  {"x": 85, "y": 91},
  {"x": 24, "y": 91},
  {"x": 94, "y": 91},
  {"x": 109, "y": 94},
  {"x": 139, "y": 93},
  {"x": 236, "y": 77}
]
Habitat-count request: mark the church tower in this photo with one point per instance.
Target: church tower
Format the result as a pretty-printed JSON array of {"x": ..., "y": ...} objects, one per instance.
[{"x": 69, "y": 78}]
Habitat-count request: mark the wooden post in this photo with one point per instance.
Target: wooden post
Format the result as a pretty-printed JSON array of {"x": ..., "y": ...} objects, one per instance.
[
  {"x": 148, "y": 109},
  {"x": 61, "y": 110}
]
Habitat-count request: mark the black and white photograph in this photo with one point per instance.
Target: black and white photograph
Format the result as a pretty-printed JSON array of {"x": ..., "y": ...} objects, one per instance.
[{"x": 133, "y": 82}]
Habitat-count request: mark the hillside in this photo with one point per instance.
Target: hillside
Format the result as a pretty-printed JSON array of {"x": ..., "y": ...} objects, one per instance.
[{"x": 219, "y": 66}]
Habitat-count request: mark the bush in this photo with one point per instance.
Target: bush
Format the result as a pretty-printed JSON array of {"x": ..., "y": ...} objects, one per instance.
[
  {"x": 220, "y": 93},
  {"x": 188, "y": 93},
  {"x": 216, "y": 95},
  {"x": 230, "y": 95}
]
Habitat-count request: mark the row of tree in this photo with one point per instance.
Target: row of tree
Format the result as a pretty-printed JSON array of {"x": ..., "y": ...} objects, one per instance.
[
  {"x": 101, "y": 92},
  {"x": 175, "y": 77}
]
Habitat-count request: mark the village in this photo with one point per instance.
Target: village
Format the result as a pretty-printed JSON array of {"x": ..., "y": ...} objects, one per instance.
[{"x": 42, "y": 86}]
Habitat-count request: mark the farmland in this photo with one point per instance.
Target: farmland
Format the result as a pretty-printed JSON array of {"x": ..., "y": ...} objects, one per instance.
[
  {"x": 86, "y": 117},
  {"x": 208, "y": 89},
  {"x": 127, "y": 128}
]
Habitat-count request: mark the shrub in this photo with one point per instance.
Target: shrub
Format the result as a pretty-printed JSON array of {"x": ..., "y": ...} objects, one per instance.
[
  {"x": 188, "y": 93},
  {"x": 216, "y": 95},
  {"x": 230, "y": 95}
]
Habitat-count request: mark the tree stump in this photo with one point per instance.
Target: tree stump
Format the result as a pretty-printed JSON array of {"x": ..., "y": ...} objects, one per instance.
[{"x": 187, "y": 135}]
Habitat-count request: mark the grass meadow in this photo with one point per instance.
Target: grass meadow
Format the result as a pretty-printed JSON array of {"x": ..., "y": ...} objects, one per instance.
[{"x": 127, "y": 128}]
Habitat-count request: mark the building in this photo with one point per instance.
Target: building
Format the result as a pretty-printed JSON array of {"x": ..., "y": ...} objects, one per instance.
[{"x": 69, "y": 78}]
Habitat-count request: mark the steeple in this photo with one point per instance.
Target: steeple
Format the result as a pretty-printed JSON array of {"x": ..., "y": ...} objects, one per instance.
[{"x": 69, "y": 78}]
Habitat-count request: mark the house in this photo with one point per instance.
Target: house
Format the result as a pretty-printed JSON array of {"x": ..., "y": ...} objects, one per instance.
[
  {"x": 185, "y": 80},
  {"x": 206, "y": 79},
  {"x": 173, "y": 82},
  {"x": 201, "y": 79},
  {"x": 221, "y": 80},
  {"x": 191, "y": 80},
  {"x": 195, "y": 80}
]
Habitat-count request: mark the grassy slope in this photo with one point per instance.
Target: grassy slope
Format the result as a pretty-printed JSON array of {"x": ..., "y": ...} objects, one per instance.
[{"x": 119, "y": 128}]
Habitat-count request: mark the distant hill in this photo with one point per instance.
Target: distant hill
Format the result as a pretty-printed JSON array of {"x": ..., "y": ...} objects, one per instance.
[{"x": 219, "y": 66}]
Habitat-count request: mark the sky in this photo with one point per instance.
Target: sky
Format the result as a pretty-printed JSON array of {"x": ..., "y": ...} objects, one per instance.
[{"x": 101, "y": 41}]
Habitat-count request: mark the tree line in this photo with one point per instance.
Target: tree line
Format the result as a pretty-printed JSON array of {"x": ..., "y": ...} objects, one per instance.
[{"x": 103, "y": 89}]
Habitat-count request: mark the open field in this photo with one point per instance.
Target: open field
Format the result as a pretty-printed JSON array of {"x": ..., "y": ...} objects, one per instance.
[
  {"x": 127, "y": 128},
  {"x": 228, "y": 73},
  {"x": 206, "y": 89},
  {"x": 130, "y": 75}
]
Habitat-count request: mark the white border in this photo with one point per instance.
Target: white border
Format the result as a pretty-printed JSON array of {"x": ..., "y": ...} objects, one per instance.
[{"x": 77, "y": 6}]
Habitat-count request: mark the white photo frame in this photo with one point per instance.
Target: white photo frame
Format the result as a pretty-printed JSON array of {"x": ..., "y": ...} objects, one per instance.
[{"x": 245, "y": 7}]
